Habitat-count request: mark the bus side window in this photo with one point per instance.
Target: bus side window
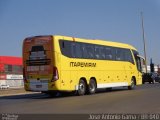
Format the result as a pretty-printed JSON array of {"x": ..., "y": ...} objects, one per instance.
[
  {"x": 108, "y": 53},
  {"x": 76, "y": 50},
  {"x": 84, "y": 50},
  {"x": 62, "y": 46},
  {"x": 102, "y": 51},
  {"x": 128, "y": 56},
  {"x": 138, "y": 61},
  {"x": 119, "y": 54},
  {"x": 90, "y": 51},
  {"x": 73, "y": 50},
  {"x": 79, "y": 50},
  {"x": 97, "y": 52},
  {"x": 65, "y": 47}
]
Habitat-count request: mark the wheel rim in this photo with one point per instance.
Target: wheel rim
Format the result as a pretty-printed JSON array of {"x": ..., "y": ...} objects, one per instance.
[
  {"x": 81, "y": 88},
  {"x": 132, "y": 84},
  {"x": 92, "y": 87}
]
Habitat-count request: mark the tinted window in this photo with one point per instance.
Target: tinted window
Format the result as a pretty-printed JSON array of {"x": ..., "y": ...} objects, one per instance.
[
  {"x": 97, "y": 52},
  {"x": 73, "y": 50},
  {"x": 91, "y": 51},
  {"x": 128, "y": 56},
  {"x": 84, "y": 51},
  {"x": 65, "y": 48},
  {"x": 76, "y": 50},
  {"x": 103, "y": 53},
  {"x": 120, "y": 54},
  {"x": 110, "y": 53},
  {"x": 37, "y": 48},
  {"x": 138, "y": 62}
]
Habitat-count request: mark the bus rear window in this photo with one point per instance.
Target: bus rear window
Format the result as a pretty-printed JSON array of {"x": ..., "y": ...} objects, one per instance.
[
  {"x": 37, "y": 52},
  {"x": 38, "y": 56},
  {"x": 37, "y": 48}
]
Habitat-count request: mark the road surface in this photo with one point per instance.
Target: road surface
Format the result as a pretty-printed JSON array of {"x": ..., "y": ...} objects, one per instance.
[{"x": 143, "y": 99}]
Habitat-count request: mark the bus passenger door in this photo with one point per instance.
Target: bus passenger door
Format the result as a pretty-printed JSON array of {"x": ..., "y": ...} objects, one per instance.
[{"x": 139, "y": 68}]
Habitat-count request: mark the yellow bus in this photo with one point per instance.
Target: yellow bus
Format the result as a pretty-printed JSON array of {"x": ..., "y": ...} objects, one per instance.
[{"x": 61, "y": 63}]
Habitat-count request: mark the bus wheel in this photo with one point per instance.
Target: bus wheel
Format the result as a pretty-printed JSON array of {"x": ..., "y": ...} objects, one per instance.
[
  {"x": 132, "y": 86},
  {"x": 92, "y": 87},
  {"x": 82, "y": 87}
]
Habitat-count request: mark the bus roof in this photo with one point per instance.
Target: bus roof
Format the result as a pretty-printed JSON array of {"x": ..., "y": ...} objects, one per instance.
[
  {"x": 96, "y": 41},
  {"x": 92, "y": 41}
]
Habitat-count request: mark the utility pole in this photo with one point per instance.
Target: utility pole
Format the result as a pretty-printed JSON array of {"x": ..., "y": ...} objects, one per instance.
[{"x": 144, "y": 42}]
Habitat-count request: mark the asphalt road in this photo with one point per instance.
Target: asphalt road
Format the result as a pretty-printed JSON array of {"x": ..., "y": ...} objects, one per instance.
[{"x": 143, "y": 99}]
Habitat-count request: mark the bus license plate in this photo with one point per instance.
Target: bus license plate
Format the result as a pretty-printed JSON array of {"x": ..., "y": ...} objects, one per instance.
[{"x": 38, "y": 86}]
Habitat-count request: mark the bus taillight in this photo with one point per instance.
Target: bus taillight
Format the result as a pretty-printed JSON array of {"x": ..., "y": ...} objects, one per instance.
[{"x": 55, "y": 74}]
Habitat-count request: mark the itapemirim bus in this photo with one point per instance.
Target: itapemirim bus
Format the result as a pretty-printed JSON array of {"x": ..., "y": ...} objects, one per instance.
[{"x": 61, "y": 63}]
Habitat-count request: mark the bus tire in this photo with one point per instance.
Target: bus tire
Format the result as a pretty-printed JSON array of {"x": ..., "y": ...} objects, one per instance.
[
  {"x": 92, "y": 86},
  {"x": 82, "y": 87},
  {"x": 133, "y": 84}
]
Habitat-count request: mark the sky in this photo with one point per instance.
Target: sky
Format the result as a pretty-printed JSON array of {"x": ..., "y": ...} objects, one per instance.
[{"x": 112, "y": 20}]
